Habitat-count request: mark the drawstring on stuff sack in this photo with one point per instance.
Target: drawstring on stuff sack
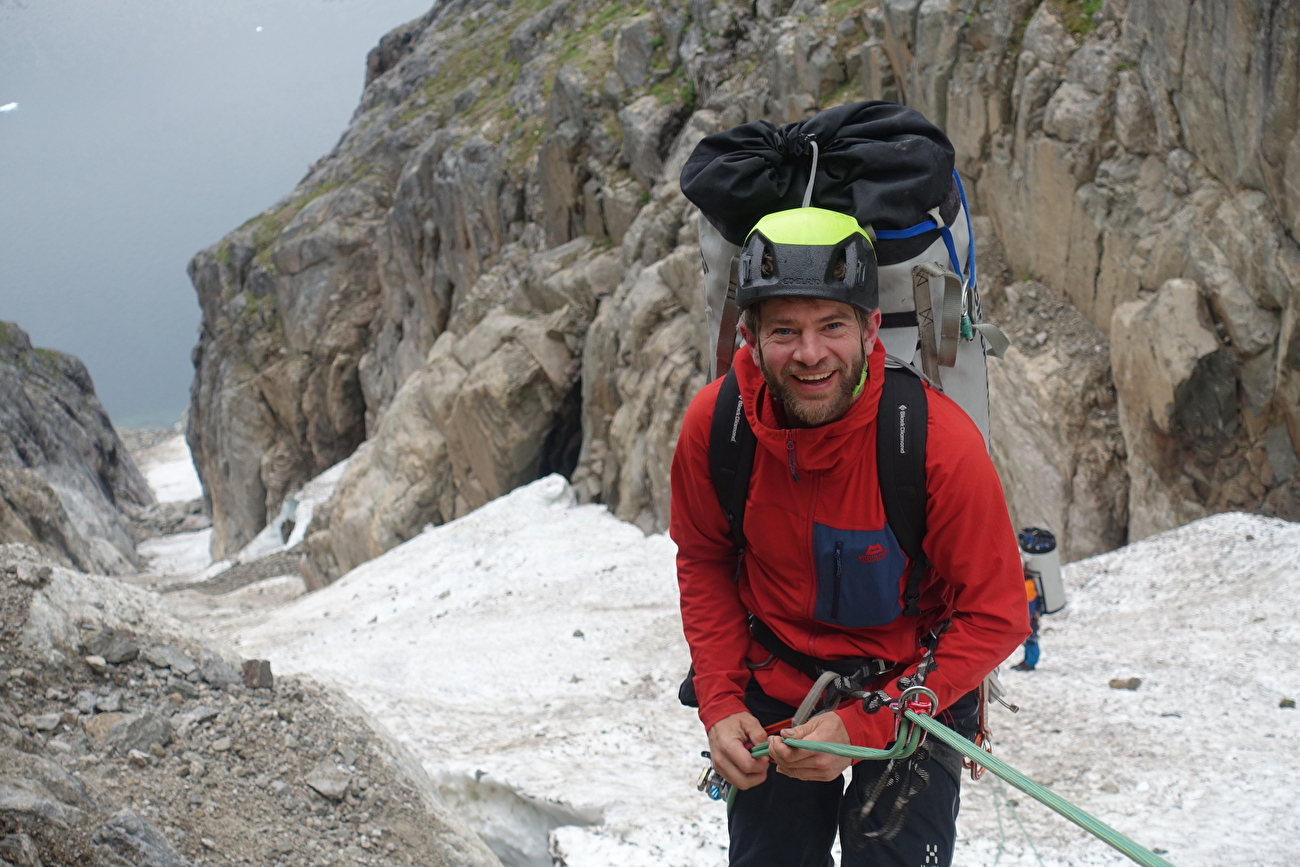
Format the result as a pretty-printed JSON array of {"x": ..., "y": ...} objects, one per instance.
[{"x": 812, "y": 174}]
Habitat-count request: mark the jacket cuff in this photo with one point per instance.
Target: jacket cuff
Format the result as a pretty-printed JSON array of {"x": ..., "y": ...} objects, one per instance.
[{"x": 720, "y": 709}]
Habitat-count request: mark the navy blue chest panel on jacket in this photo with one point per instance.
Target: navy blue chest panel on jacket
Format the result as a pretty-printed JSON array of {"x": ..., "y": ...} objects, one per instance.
[{"x": 859, "y": 576}]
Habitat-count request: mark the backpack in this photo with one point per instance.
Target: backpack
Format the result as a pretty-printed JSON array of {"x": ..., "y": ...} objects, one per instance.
[{"x": 892, "y": 169}]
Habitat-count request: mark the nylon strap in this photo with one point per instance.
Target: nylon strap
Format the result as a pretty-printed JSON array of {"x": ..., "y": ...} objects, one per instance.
[
  {"x": 727, "y": 328},
  {"x": 925, "y": 321},
  {"x": 731, "y": 456}
]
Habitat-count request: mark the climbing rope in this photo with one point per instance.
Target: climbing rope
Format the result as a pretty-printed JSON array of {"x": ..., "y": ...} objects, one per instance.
[{"x": 912, "y": 726}]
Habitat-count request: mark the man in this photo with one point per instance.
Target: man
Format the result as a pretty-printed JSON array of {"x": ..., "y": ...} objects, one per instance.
[{"x": 822, "y": 573}]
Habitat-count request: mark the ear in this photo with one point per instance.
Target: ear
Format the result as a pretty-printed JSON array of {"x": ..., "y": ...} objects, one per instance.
[
  {"x": 751, "y": 341},
  {"x": 872, "y": 331}
]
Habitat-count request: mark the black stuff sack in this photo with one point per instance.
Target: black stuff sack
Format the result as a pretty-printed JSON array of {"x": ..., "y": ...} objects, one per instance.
[{"x": 883, "y": 163}]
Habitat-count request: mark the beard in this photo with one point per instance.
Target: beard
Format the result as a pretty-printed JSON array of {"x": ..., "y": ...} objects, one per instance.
[{"x": 803, "y": 412}]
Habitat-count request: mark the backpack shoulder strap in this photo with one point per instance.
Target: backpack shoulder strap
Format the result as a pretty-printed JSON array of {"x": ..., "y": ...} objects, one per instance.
[
  {"x": 731, "y": 455},
  {"x": 900, "y": 463}
]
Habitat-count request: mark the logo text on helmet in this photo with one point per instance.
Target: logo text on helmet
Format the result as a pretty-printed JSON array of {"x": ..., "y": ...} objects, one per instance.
[{"x": 800, "y": 281}]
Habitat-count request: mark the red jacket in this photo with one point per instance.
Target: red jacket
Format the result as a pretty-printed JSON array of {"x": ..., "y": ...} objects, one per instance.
[{"x": 976, "y": 576}]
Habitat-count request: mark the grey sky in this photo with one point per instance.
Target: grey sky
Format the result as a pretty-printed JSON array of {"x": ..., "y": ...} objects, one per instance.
[{"x": 145, "y": 131}]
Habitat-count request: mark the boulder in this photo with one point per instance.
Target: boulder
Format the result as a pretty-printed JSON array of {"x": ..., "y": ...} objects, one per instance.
[
  {"x": 137, "y": 731},
  {"x": 113, "y": 646},
  {"x": 166, "y": 656},
  {"x": 216, "y": 671},
  {"x": 131, "y": 838}
]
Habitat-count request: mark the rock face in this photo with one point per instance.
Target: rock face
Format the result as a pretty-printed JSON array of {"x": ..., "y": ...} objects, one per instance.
[
  {"x": 496, "y": 263},
  {"x": 66, "y": 480}
]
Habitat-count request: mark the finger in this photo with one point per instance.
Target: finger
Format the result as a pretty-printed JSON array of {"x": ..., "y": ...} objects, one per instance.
[
  {"x": 736, "y": 753},
  {"x": 753, "y": 729}
]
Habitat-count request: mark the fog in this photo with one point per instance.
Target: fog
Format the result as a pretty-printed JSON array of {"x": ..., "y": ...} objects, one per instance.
[{"x": 134, "y": 133}]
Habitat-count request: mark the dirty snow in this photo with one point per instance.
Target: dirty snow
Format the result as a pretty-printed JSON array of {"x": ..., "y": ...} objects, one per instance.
[{"x": 529, "y": 653}]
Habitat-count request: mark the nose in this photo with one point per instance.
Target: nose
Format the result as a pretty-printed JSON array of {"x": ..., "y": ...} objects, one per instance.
[{"x": 810, "y": 351}]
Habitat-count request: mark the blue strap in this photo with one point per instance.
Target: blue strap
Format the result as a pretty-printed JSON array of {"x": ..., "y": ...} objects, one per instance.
[
  {"x": 930, "y": 225},
  {"x": 970, "y": 232},
  {"x": 911, "y": 232}
]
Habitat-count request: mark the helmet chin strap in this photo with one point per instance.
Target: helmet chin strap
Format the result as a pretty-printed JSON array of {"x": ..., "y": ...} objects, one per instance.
[{"x": 862, "y": 382}]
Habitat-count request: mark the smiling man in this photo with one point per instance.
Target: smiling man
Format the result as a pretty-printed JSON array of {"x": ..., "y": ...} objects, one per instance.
[{"x": 806, "y": 575}]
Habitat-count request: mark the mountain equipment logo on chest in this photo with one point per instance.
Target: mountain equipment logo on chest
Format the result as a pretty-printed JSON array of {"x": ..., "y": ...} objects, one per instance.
[{"x": 873, "y": 554}]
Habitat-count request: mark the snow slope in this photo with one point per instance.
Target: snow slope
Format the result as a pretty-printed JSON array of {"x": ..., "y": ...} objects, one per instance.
[
  {"x": 529, "y": 653},
  {"x": 169, "y": 469}
]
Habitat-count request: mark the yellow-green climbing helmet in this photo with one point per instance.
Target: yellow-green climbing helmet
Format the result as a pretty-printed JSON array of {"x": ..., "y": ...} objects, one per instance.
[{"x": 808, "y": 253}]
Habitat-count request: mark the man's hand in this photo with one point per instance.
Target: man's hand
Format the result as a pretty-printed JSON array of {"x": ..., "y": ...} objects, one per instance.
[
  {"x": 806, "y": 764},
  {"x": 729, "y": 742}
]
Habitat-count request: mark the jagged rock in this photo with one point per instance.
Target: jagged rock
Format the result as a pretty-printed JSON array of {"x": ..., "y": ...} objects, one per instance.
[
  {"x": 649, "y": 127},
  {"x": 166, "y": 656},
  {"x": 329, "y": 780},
  {"x": 63, "y": 471},
  {"x": 112, "y": 646},
  {"x": 137, "y": 731},
  {"x": 99, "y": 725},
  {"x": 489, "y": 410},
  {"x": 20, "y": 850},
  {"x": 216, "y": 671},
  {"x": 1169, "y": 367},
  {"x": 634, "y": 48},
  {"x": 132, "y": 838},
  {"x": 257, "y": 674},
  {"x": 37, "y": 786}
]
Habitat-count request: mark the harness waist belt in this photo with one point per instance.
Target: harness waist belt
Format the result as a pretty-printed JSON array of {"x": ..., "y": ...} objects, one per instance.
[{"x": 863, "y": 668}]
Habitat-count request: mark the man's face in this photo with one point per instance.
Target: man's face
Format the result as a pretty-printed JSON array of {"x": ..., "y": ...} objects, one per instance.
[{"x": 812, "y": 353}]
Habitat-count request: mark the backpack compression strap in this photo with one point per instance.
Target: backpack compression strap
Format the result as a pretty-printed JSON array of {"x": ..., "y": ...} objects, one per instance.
[{"x": 900, "y": 461}]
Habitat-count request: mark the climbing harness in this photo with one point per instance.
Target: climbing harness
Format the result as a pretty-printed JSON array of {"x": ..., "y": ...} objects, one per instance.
[{"x": 914, "y": 711}]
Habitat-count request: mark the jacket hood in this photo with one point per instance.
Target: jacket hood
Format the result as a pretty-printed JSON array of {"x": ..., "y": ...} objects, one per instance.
[{"x": 822, "y": 448}]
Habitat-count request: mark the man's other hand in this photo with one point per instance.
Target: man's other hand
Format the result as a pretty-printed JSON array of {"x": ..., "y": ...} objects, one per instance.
[
  {"x": 729, "y": 742},
  {"x": 806, "y": 764}
]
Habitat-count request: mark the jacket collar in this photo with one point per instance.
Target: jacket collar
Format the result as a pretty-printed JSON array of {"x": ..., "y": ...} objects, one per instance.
[{"x": 819, "y": 448}]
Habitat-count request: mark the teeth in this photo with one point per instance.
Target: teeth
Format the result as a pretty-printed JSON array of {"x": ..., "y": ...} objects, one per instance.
[{"x": 817, "y": 377}]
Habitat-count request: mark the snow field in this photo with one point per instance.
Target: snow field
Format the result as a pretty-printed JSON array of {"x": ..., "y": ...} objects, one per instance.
[{"x": 464, "y": 642}]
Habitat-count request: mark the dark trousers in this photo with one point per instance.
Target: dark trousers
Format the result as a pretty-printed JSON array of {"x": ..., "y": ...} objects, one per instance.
[{"x": 792, "y": 823}]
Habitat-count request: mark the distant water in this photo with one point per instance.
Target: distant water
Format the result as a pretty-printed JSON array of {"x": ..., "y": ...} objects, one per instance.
[{"x": 142, "y": 132}]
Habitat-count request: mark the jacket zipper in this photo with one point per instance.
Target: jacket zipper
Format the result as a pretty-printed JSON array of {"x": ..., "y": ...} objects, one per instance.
[
  {"x": 789, "y": 454},
  {"x": 835, "y": 588}
]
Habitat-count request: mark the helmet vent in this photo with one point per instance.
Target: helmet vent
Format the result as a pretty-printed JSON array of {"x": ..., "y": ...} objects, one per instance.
[
  {"x": 768, "y": 266},
  {"x": 841, "y": 268}
]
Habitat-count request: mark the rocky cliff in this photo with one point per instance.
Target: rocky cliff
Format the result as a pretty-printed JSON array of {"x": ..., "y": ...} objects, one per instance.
[
  {"x": 494, "y": 273},
  {"x": 66, "y": 481}
]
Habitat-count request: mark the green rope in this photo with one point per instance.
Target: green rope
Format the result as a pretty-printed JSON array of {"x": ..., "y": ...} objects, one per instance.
[{"x": 904, "y": 746}]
